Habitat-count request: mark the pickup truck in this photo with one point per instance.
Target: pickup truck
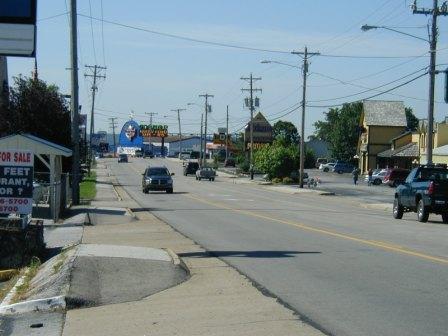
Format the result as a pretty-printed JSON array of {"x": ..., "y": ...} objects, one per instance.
[
  {"x": 424, "y": 191},
  {"x": 205, "y": 173}
]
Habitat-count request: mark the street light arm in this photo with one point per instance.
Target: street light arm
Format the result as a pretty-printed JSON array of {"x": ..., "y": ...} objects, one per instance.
[
  {"x": 368, "y": 27},
  {"x": 269, "y": 61}
]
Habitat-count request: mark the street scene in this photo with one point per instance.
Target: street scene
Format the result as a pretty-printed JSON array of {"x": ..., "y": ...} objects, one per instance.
[{"x": 223, "y": 168}]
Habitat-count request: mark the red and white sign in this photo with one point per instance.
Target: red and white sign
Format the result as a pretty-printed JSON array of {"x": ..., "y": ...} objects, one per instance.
[{"x": 16, "y": 181}]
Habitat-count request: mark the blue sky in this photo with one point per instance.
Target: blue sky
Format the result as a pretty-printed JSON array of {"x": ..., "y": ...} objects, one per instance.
[{"x": 152, "y": 73}]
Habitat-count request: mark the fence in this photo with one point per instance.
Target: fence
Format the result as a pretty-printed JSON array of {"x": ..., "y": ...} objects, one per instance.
[{"x": 50, "y": 199}]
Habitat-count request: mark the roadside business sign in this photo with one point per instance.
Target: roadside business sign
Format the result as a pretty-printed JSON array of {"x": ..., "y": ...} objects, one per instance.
[
  {"x": 18, "y": 28},
  {"x": 154, "y": 131},
  {"x": 16, "y": 182}
]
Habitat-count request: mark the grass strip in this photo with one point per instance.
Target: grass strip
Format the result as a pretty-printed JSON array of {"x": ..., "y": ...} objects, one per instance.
[{"x": 87, "y": 188}]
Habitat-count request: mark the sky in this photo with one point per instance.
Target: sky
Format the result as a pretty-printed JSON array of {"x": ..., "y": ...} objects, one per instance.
[{"x": 149, "y": 70}]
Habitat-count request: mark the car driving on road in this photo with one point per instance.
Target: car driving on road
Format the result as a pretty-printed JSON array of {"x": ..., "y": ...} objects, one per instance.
[
  {"x": 157, "y": 179},
  {"x": 123, "y": 158}
]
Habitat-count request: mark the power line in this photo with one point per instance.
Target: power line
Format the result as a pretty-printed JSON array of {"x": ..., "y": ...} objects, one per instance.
[
  {"x": 222, "y": 44},
  {"x": 368, "y": 90},
  {"x": 102, "y": 33},
  {"x": 91, "y": 30},
  {"x": 373, "y": 96}
]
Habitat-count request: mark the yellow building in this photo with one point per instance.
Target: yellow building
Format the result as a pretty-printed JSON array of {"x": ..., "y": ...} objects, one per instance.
[
  {"x": 381, "y": 121},
  {"x": 440, "y": 140}
]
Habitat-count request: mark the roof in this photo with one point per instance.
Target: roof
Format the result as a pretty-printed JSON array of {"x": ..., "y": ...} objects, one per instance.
[
  {"x": 384, "y": 113},
  {"x": 408, "y": 150},
  {"x": 184, "y": 138},
  {"x": 34, "y": 144}
]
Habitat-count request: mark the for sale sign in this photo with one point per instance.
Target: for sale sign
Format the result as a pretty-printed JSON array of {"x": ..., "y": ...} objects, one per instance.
[{"x": 16, "y": 182}]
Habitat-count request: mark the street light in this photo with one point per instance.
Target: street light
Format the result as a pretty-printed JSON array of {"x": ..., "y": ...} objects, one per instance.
[{"x": 432, "y": 73}]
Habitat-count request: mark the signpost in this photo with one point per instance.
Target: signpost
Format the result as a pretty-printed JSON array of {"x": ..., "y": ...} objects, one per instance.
[{"x": 16, "y": 182}]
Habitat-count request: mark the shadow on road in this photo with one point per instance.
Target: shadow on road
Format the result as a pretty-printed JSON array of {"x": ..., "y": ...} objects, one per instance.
[{"x": 246, "y": 254}]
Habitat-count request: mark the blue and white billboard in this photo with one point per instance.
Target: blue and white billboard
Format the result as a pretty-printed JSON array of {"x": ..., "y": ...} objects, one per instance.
[{"x": 130, "y": 135}]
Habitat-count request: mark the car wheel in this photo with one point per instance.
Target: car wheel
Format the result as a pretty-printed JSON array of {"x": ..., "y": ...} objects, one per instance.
[
  {"x": 199, "y": 178},
  {"x": 169, "y": 191},
  {"x": 213, "y": 179},
  {"x": 145, "y": 191},
  {"x": 445, "y": 217},
  {"x": 377, "y": 182},
  {"x": 422, "y": 212},
  {"x": 397, "y": 209},
  {"x": 210, "y": 179},
  {"x": 340, "y": 171},
  {"x": 326, "y": 170}
]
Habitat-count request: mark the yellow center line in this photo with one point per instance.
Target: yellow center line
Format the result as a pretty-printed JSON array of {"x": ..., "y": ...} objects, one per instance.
[{"x": 379, "y": 244}]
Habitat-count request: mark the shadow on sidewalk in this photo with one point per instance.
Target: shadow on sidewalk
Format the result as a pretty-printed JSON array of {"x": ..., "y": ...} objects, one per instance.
[{"x": 246, "y": 254}]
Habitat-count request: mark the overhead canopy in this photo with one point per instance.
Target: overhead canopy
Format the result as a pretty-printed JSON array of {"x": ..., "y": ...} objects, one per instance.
[{"x": 34, "y": 144}]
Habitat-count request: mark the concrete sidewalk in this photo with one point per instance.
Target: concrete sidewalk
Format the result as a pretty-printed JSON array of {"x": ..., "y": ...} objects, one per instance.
[{"x": 216, "y": 300}]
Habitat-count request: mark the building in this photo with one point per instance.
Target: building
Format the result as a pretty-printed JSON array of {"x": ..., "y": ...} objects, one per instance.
[
  {"x": 404, "y": 151},
  {"x": 440, "y": 139},
  {"x": 188, "y": 144},
  {"x": 381, "y": 121}
]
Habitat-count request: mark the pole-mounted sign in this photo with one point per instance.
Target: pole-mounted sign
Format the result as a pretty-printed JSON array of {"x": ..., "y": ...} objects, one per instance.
[{"x": 18, "y": 28}]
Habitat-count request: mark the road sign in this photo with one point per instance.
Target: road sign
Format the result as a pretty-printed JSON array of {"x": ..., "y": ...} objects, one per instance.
[{"x": 16, "y": 182}]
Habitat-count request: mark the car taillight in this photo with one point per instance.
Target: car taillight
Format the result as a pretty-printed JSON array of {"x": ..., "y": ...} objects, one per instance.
[{"x": 430, "y": 188}]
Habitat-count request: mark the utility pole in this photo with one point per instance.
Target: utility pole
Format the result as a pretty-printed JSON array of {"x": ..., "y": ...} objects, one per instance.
[
  {"x": 151, "y": 114},
  {"x": 74, "y": 103},
  {"x": 202, "y": 122},
  {"x": 95, "y": 73},
  {"x": 434, "y": 12},
  {"x": 305, "y": 55},
  {"x": 113, "y": 125},
  {"x": 227, "y": 132},
  {"x": 251, "y": 79},
  {"x": 208, "y": 109},
  {"x": 4, "y": 87},
  {"x": 180, "y": 130}
]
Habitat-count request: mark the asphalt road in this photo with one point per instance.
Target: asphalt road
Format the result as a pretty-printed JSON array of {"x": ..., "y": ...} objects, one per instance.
[{"x": 345, "y": 269}]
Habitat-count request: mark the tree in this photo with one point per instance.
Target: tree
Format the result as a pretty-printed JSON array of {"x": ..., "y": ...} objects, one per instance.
[
  {"x": 411, "y": 119},
  {"x": 36, "y": 108},
  {"x": 278, "y": 160},
  {"x": 340, "y": 130},
  {"x": 285, "y": 132}
]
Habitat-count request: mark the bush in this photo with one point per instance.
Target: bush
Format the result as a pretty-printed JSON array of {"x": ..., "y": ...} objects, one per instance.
[
  {"x": 244, "y": 166},
  {"x": 287, "y": 180},
  {"x": 276, "y": 180}
]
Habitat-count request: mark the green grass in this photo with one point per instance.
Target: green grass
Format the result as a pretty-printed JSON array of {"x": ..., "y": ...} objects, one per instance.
[
  {"x": 30, "y": 272},
  {"x": 87, "y": 188}
]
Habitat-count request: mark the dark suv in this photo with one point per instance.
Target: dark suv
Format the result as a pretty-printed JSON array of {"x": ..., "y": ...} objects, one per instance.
[
  {"x": 158, "y": 179},
  {"x": 395, "y": 177},
  {"x": 190, "y": 168}
]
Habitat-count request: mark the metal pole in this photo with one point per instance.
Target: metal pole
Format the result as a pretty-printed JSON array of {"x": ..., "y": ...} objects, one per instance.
[
  {"x": 251, "y": 159},
  {"x": 432, "y": 74},
  {"x": 302, "y": 130},
  {"x": 4, "y": 96},
  {"x": 202, "y": 121},
  {"x": 204, "y": 163},
  {"x": 92, "y": 111},
  {"x": 74, "y": 102},
  {"x": 227, "y": 133}
]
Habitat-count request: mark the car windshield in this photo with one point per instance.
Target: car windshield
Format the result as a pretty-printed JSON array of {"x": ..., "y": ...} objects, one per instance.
[{"x": 158, "y": 171}]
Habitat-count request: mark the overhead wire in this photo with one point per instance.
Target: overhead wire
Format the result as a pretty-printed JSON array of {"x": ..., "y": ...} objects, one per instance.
[{"x": 92, "y": 33}]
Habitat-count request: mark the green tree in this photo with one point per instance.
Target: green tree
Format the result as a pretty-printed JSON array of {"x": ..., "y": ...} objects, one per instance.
[
  {"x": 340, "y": 130},
  {"x": 36, "y": 108},
  {"x": 285, "y": 132},
  {"x": 279, "y": 161},
  {"x": 411, "y": 119}
]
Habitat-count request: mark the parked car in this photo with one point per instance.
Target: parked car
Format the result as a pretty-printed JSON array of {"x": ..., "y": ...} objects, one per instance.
[
  {"x": 157, "y": 178},
  {"x": 320, "y": 161},
  {"x": 190, "y": 168},
  {"x": 424, "y": 191},
  {"x": 138, "y": 153},
  {"x": 395, "y": 177},
  {"x": 205, "y": 173},
  {"x": 343, "y": 167},
  {"x": 123, "y": 158},
  {"x": 377, "y": 176},
  {"x": 326, "y": 167}
]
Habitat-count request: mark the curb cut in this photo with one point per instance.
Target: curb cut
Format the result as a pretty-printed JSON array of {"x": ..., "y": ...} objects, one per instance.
[{"x": 42, "y": 305}]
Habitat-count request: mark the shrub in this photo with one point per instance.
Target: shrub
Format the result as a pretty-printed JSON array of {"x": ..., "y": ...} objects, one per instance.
[
  {"x": 276, "y": 180},
  {"x": 287, "y": 180}
]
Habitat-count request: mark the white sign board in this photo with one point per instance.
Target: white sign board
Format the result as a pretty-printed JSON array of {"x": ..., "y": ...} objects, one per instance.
[
  {"x": 127, "y": 150},
  {"x": 17, "y": 39},
  {"x": 16, "y": 182}
]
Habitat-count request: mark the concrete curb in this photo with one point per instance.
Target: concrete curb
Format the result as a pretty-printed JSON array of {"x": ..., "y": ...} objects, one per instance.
[
  {"x": 41, "y": 305},
  {"x": 178, "y": 261}
]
